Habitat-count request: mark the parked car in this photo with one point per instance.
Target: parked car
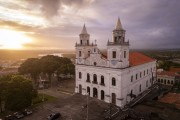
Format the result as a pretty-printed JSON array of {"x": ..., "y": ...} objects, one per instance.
[
  {"x": 27, "y": 112},
  {"x": 10, "y": 117},
  {"x": 18, "y": 115},
  {"x": 54, "y": 116}
]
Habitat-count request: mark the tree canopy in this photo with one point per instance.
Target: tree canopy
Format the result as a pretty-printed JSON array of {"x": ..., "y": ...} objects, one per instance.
[
  {"x": 16, "y": 92},
  {"x": 48, "y": 65}
]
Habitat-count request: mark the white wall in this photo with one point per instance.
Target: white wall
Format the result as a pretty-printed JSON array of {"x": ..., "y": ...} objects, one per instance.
[{"x": 123, "y": 81}]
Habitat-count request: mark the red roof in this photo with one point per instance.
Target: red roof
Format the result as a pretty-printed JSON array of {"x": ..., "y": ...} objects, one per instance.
[
  {"x": 137, "y": 58},
  {"x": 168, "y": 73},
  {"x": 175, "y": 70}
]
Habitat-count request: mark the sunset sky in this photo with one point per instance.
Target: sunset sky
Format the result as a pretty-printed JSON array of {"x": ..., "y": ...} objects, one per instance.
[{"x": 56, "y": 24}]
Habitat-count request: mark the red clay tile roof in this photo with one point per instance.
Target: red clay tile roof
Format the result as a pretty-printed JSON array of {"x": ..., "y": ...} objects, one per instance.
[
  {"x": 175, "y": 70},
  {"x": 171, "y": 98},
  {"x": 169, "y": 73},
  {"x": 137, "y": 58}
]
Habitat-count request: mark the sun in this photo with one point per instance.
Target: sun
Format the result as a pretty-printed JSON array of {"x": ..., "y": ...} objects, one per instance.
[{"x": 10, "y": 39}]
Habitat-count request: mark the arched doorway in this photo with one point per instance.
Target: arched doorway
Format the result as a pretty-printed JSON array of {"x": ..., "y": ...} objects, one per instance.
[
  {"x": 113, "y": 98},
  {"x": 139, "y": 88},
  {"x": 88, "y": 90},
  {"x": 95, "y": 92},
  {"x": 80, "y": 89},
  {"x": 102, "y": 95}
]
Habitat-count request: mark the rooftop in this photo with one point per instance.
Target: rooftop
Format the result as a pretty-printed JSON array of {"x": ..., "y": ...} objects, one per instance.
[
  {"x": 168, "y": 73},
  {"x": 137, "y": 58},
  {"x": 175, "y": 70}
]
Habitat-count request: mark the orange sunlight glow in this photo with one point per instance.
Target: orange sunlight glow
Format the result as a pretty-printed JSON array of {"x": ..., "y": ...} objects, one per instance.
[{"x": 10, "y": 39}]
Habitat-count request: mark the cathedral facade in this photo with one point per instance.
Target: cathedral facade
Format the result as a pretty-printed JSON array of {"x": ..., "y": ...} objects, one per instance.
[{"x": 115, "y": 77}]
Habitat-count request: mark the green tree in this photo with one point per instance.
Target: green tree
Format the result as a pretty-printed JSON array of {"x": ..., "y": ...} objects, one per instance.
[
  {"x": 62, "y": 69},
  {"x": 164, "y": 64},
  {"x": 16, "y": 92},
  {"x": 71, "y": 69},
  {"x": 49, "y": 64},
  {"x": 3, "y": 90},
  {"x": 31, "y": 66},
  {"x": 65, "y": 67}
]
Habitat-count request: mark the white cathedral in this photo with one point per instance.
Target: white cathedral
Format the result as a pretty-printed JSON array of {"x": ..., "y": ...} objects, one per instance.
[{"x": 117, "y": 77}]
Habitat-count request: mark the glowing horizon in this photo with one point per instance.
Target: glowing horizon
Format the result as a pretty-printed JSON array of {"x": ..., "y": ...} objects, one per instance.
[{"x": 10, "y": 39}]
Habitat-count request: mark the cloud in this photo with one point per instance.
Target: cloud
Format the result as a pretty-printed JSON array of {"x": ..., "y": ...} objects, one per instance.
[
  {"x": 148, "y": 24},
  {"x": 50, "y": 7},
  {"x": 17, "y": 26}
]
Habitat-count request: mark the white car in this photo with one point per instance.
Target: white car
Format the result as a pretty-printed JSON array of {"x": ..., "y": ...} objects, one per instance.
[{"x": 27, "y": 112}]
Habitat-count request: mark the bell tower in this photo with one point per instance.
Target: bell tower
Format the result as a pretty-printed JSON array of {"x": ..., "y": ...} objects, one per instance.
[
  {"x": 118, "y": 48},
  {"x": 84, "y": 36},
  {"x": 83, "y": 48}
]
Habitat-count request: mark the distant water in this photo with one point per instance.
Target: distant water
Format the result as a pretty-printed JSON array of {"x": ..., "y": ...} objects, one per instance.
[
  {"x": 55, "y": 54},
  {"x": 25, "y": 54}
]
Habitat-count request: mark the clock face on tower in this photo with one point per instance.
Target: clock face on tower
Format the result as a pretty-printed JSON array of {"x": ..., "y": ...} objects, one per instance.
[
  {"x": 114, "y": 62},
  {"x": 80, "y": 59}
]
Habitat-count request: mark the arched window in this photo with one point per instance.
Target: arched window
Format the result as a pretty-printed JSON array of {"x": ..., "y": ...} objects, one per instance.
[
  {"x": 80, "y": 88},
  {"x": 115, "y": 39},
  {"x": 88, "y": 90},
  {"x": 81, "y": 42},
  {"x": 172, "y": 82},
  {"x": 114, "y": 54},
  {"x": 80, "y": 75},
  {"x": 95, "y": 92},
  {"x": 94, "y": 49},
  {"x": 79, "y": 53},
  {"x": 124, "y": 54},
  {"x": 132, "y": 78},
  {"x": 102, "y": 80},
  {"x": 139, "y": 88},
  {"x": 146, "y": 83},
  {"x": 165, "y": 81},
  {"x": 95, "y": 63},
  {"x": 161, "y": 80},
  {"x": 95, "y": 78},
  {"x": 88, "y": 77},
  {"x": 113, "y": 81}
]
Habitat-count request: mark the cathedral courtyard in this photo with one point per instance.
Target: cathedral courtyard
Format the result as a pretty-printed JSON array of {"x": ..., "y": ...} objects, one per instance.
[
  {"x": 70, "y": 105},
  {"x": 73, "y": 106}
]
